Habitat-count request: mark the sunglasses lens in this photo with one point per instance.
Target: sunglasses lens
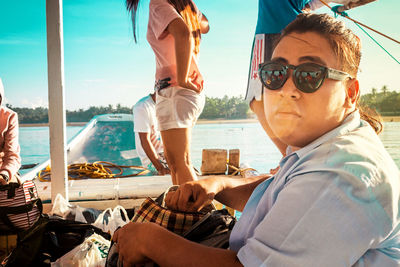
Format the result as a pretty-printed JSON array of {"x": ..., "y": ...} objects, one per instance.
[
  {"x": 309, "y": 77},
  {"x": 273, "y": 75}
]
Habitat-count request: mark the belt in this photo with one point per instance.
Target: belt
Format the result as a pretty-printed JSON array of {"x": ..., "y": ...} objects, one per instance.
[{"x": 161, "y": 84}]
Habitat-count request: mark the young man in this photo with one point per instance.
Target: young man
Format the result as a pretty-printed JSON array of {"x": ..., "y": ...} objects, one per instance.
[
  {"x": 273, "y": 17},
  {"x": 147, "y": 138},
  {"x": 334, "y": 200}
]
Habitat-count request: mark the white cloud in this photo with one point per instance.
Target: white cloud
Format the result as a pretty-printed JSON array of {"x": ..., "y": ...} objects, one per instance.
[
  {"x": 34, "y": 103},
  {"x": 18, "y": 41},
  {"x": 89, "y": 81}
]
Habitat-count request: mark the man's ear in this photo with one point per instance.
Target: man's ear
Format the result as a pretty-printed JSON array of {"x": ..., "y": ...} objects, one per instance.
[{"x": 352, "y": 93}]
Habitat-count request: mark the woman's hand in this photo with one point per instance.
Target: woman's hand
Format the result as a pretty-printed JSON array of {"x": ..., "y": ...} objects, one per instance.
[
  {"x": 192, "y": 83},
  {"x": 193, "y": 196},
  {"x": 2, "y": 181}
]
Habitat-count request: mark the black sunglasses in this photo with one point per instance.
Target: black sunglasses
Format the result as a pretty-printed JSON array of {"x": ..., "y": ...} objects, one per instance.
[{"x": 308, "y": 77}]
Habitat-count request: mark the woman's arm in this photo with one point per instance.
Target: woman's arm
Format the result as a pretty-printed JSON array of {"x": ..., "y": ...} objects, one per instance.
[
  {"x": 11, "y": 149},
  {"x": 141, "y": 242},
  {"x": 204, "y": 25},
  {"x": 183, "y": 51}
]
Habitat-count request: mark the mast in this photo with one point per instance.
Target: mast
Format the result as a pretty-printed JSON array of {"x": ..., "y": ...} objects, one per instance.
[{"x": 57, "y": 118}]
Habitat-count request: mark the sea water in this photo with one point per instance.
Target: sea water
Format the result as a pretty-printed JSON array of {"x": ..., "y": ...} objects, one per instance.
[{"x": 255, "y": 147}]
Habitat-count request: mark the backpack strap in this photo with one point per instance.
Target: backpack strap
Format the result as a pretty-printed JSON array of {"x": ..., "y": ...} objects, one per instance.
[{"x": 10, "y": 188}]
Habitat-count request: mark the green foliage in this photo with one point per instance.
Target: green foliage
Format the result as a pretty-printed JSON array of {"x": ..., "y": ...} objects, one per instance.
[
  {"x": 40, "y": 115},
  {"x": 225, "y": 108},
  {"x": 215, "y": 108},
  {"x": 387, "y": 103}
]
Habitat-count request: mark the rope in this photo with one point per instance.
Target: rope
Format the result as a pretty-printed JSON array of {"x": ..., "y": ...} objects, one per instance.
[
  {"x": 239, "y": 170},
  {"x": 378, "y": 44},
  {"x": 359, "y": 24},
  {"x": 344, "y": 14},
  {"x": 95, "y": 170}
]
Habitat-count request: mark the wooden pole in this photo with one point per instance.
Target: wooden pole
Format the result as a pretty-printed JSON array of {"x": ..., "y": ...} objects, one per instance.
[{"x": 57, "y": 120}]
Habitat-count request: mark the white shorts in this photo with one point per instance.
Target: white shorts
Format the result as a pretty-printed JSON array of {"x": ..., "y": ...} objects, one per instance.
[
  {"x": 177, "y": 107},
  {"x": 261, "y": 52}
]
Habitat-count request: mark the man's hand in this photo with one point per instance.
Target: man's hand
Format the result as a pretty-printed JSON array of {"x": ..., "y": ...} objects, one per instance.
[
  {"x": 161, "y": 169},
  {"x": 130, "y": 244},
  {"x": 193, "y": 196}
]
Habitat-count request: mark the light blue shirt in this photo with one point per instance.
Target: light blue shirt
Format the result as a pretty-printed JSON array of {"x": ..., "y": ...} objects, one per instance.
[{"x": 334, "y": 202}]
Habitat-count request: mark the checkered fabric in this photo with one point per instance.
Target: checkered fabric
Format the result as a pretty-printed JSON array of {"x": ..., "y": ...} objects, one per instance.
[{"x": 177, "y": 222}]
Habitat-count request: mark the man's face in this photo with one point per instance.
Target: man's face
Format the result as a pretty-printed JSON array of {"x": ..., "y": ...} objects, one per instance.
[{"x": 298, "y": 118}]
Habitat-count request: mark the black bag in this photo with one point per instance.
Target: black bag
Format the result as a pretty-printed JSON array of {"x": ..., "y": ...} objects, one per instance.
[
  {"x": 213, "y": 230},
  {"x": 48, "y": 239}
]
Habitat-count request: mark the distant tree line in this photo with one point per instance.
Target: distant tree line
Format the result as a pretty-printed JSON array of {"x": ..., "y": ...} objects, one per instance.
[
  {"x": 40, "y": 114},
  {"x": 386, "y": 102},
  {"x": 215, "y": 108}
]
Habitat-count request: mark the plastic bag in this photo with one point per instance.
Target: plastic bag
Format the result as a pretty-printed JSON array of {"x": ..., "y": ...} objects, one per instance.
[
  {"x": 110, "y": 220},
  {"x": 91, "y": 253},
  {"x": 68, "y": 211}
]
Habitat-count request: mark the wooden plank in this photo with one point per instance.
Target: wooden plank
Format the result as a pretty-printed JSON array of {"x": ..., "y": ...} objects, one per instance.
[{"x": 214, "y": 161}]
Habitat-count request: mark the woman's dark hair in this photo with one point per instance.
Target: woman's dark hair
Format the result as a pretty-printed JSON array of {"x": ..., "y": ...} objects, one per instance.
[
  {"x": 185, "y": 8},
  {"x": 131, "y": 6},
  {"x": 345, "y": 45}
]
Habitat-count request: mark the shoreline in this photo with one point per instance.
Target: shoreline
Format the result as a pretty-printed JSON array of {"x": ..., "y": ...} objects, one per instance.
[{"x": 200, "y": 121}]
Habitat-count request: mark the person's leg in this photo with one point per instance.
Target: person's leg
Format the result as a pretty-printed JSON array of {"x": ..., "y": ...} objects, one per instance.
[
  {"x": 177, "y": 151},
  {"x": 258, "y": 108}
]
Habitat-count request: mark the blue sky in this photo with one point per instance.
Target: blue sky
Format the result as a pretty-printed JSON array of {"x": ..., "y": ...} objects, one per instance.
[{"x": 104, "y": 66}]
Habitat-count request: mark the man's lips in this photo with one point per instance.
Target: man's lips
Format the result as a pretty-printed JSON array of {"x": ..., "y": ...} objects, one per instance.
[{"x": 287, "y": 113}]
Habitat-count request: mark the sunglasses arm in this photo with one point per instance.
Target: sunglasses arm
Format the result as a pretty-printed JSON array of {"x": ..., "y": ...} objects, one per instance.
[{"x": 337, "y": 75}]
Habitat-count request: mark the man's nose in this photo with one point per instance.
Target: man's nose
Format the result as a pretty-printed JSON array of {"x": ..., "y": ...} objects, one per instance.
[{"x": 289, "y": 89}]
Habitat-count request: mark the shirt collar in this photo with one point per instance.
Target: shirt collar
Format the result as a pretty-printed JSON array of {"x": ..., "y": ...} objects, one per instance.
[
  {"x": 152, "y": 100},
  {"x": 351, "y": 122}
]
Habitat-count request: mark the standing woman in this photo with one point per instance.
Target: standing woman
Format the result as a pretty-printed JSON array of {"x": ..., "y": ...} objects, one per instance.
[{"x": 174, "y": 31}]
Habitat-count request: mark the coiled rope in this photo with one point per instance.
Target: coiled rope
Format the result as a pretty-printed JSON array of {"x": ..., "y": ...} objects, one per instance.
[
  {"x": 239, "y": 171},
  {"x": 95, "y": 170},
  {"x": 359, "y": 24}
]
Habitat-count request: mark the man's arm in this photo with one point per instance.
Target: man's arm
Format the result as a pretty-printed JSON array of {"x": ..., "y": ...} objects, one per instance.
[
  {"x": 233, "y": 192},
  {"x": 154, "y": 243},
  {"x": 151, "y": 153},
  {"x": 237, "y": 191}
]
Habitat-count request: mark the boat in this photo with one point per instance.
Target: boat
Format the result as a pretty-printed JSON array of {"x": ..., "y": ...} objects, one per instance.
[{"x": 107, "y": 138}]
